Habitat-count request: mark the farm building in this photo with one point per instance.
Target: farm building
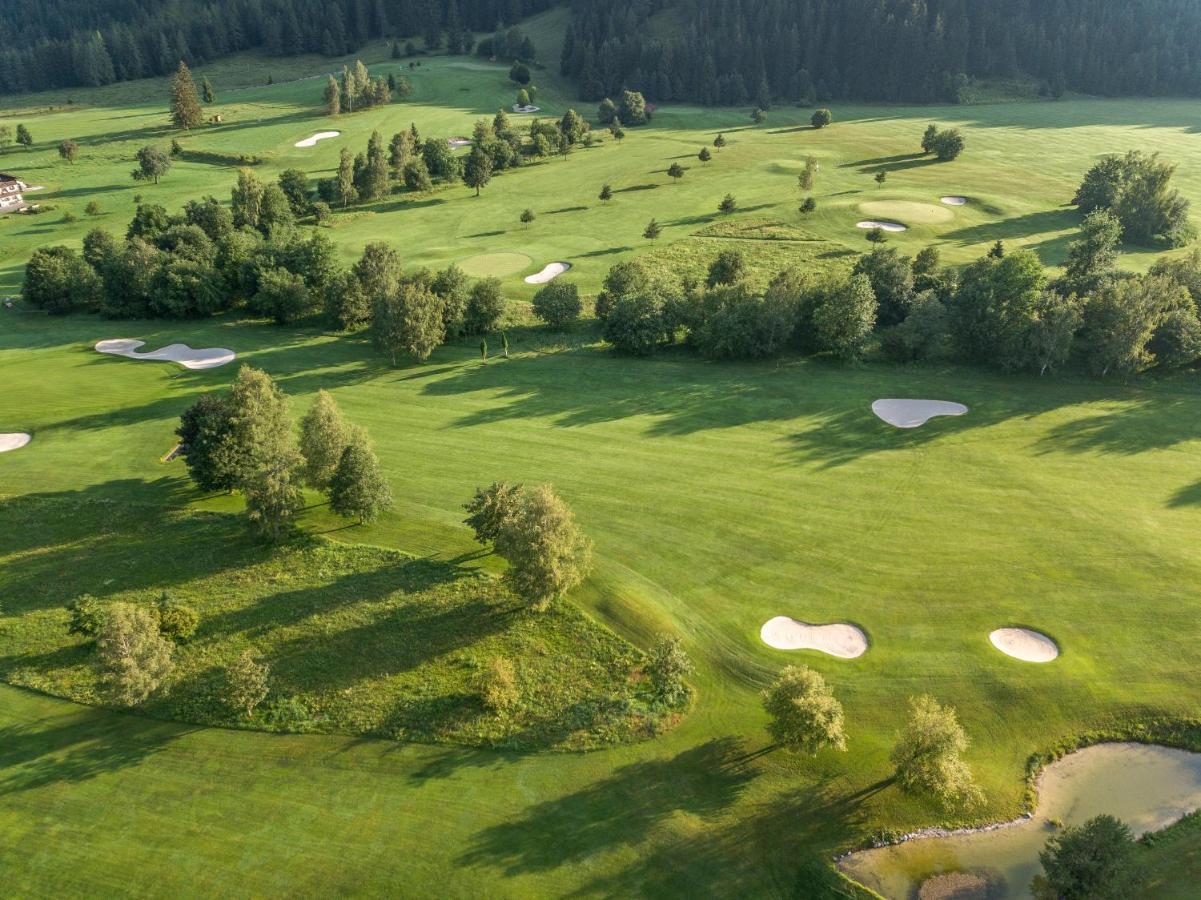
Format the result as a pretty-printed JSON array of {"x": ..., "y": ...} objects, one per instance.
[{"x": 12, "y": 190}]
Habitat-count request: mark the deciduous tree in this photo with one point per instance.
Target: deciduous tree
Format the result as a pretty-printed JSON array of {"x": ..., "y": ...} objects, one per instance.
[{"x": 804, "y": 714}]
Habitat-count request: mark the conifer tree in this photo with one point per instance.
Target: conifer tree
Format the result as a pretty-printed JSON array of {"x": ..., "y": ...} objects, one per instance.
[
  {"x": 185, "y": 105},
  {"x": 333, "y": 97},
  {"x": 652, "y": 230},
  {"x": 206, "y": 91}
]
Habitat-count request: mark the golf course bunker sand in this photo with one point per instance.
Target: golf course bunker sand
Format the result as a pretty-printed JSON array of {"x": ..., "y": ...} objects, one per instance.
[
  {"x": 525, "y": 109},
  {"x": 319, "y": 136},
  {"x": 883, "y": 226},
  {"x": 549, "y": 273},
  {"x": 489, "y": 264},
  {"x": 840, "y": 639},
  {"x": 953, "y": 201},
  {"x": 457, "y": 143},
  {"x": 1024, "y": 644},
  {"x": 915, "y": 413},
  {"x": 209, "y": 358},
  {"x": 13, "y": 441}
]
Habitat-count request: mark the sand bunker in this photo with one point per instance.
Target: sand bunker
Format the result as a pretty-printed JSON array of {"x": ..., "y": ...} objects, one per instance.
[
  {"x": 841, "y": 640},
  {"x": 1024, "y": 644},
  {"x": 883, "y": 226},
  {"x": 915, "y": 413},
  {"x": 319, "y": 136},
  {"x": 209, "y": 358},
  {"x": 457, "y": 143},
  {"x": 525, "y": 109},
  {"x": 953, "y": 201},
  {"x": 551, "y": 272},
  {"x": 14, "y": 441}
]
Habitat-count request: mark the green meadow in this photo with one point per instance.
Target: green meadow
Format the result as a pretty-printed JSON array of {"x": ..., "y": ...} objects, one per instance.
[{"x": 717, "y": 495}]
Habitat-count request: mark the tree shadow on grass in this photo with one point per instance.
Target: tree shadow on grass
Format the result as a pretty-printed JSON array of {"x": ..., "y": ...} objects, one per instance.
[
  {"x": 620, "y": 810},
  {"x": 1150, "y": 422},
  {"x": 1190, "y": 495},
  {"x": 83, "y": 745},
  {"x": 765, "y": 851}
]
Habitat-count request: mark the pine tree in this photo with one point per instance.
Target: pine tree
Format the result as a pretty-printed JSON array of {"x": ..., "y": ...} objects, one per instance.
[
  {"x": 333, "y": 97},
  {"x": 606, "y": 194},
  {"x": 358, "y": 489},
  {"x": 704, "y": 156},
  {"x": 375, "y": 178},
  {"x": 719, "y": 141},
  {"x": 728, "y": 204},
  {"x": 185, "y": 105},
  {"x": 207, "y": 92},
  {"x": 652, "y": 230},
  {"x": 675, "y": 171}
]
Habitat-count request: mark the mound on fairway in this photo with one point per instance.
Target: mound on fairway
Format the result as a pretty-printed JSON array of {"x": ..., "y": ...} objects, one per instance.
[
  {"x": 549, "y": 273},
  {"x": 895, "y": 227},
  {"x": 915, "y": 413},
  {"x": 840, "y": 639},
  {"x": 1024, "y": 644},
  {"x": 498, "y": 264},
  {"x": 319, "y": 136},
  {"x": 907, "y": 211},
  {"x": 953, "y": 201},
  {"x": 14, "y": 441},
  {"x": 208, "y": 358}
]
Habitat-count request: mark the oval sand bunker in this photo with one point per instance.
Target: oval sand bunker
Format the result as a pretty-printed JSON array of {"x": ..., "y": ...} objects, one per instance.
[
  {"x": 208, "y": 358},
  {"x": 841, "y": 640},
  {"x": 549, "y": 273},
  {"x": 953, "y": 201},
  {"x": 894, "y": 227},
  {"x": 915, "y": 413},
  {"x": 1024, "y": 644},
  {"x": 457, "y": 143},
  {"x": 14, "y": 441},
  {"x": 319, "y": 136}
]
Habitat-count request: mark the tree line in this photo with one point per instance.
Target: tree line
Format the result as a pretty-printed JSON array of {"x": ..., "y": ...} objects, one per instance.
[
  {"x": 736, "y": 52},
  {"x": 64, "y": 43}
]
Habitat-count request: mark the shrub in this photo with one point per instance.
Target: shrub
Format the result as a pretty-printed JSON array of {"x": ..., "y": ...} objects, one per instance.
[
  {"x": 634, "y": 325},
  {"x": 489, "y": 508},
  {"x": 245, "y": 684},
  {"x": 928, "y": 754},
  {"x": 558, "y": 304},
  {"x": 485, "y": 307},
  {"x": 667, "y": 666},
  {"x": 498, "y": 686},
  {"x": 87, "y": 615},
  {"x": 176, "y": 621},
  {"x": 821, "y": 118}
]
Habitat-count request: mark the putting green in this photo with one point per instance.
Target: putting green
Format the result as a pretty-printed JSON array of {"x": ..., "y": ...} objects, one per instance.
[
  {"x": 486, "y": 264},
  {"x": 907, "y": 211}
]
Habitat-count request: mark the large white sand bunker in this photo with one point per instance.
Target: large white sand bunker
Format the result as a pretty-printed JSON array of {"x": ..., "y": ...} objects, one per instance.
[
  {"x": 518, "y": 108},
  {"x": 840, "y": 639},
  {"x": 319, "y": 136},
  {"x": 13, "y": 441},
  {"x": 457, "y": 143},
  {"x": 894, "y": 227},
  {"x": 953, "y": 201},
  {"x": 1024, "y": 644},
  {"x": 915, "y": 413},
  {"x": 549, "y": 273},
  {"x": 208, "y": 358}
]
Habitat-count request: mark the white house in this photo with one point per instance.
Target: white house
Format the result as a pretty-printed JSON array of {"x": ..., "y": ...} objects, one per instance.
[{"x": 12, "y": 190}]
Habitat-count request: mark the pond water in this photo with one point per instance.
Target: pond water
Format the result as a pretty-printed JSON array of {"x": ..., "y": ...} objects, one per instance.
[{"x": 1147, "y": 787}]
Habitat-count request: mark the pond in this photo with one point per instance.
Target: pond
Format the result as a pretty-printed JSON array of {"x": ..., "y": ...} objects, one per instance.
[{"x": 1147, "y": 787}]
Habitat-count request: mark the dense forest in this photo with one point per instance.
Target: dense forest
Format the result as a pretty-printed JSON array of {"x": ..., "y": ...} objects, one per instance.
[
  {"x": 63, "y": 43},
  {"x": 736, "y": 52}
]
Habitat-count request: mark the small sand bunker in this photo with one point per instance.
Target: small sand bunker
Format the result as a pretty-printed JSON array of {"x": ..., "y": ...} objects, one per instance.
[
  {"x": 953, "y": 201},
  {"x": 551, "y": 272},
  {"x": 457, "y": 143},
  {"x": 525, "y": 109},
  {"x": 915, "y": 413},
  {"x": 209, "y": 358},
  {"x": 1024, "y": 644},
  {"x": 319, "y": 136},
  {"x": 883, "y": 226},
  {"x": 13, "y": 441},
  {"x": 841, "y": 640}
]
